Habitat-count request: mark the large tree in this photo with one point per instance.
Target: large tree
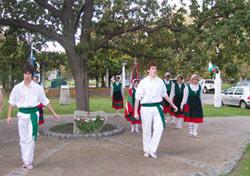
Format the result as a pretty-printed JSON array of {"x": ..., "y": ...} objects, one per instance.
[
  {"x": 84, "y": 27},
  {"x": 221, "y": 34}
]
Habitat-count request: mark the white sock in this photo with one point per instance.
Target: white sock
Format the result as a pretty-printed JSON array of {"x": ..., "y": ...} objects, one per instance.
[
  {"x": 195, "y": 129},
  {"x": 191, "y": 128},
  {"x": 132, "y": 128},
  {"x": 137, "y": 126},
  {"x": 179, "y": 122}
]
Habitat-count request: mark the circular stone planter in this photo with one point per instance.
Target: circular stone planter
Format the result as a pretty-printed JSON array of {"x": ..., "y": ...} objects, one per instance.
[{"x": 116, "y": 130}]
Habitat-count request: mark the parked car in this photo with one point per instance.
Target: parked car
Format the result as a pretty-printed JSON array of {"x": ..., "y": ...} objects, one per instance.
[
  {"x": 237, "y": 96},
  {"x": 207, "y": 85},
  {"x": 243, "y": 83}
]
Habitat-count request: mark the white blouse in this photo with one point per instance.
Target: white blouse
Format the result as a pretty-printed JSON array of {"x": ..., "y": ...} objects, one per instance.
[
  {"x": 166, "y": 81},
  {"x": 172, "y": 93}
]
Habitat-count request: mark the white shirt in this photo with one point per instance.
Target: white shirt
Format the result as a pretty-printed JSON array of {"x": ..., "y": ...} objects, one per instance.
[
  {"x": 23, "y": 96},
  {"x": 151, "y": 90},
  {"x": 172, "y": 93},
  {"x": 185, "y": 94},
  {"x": 167, "y": 81}
]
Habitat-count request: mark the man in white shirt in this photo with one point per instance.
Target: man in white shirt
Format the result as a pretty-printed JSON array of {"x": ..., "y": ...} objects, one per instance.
[
  {"x": 151, "y": 90},
  {"x": 26, "y": 96}
]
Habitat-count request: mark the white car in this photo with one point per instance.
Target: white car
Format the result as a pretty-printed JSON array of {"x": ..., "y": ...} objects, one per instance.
[
  {"x": 207, "y": 85},
  {"x": 237, "y": 96}
]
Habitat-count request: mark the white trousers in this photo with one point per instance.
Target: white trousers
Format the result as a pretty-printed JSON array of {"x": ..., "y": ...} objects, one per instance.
[
  {"x": 27, "y": 143},
  {"x": 150, "y": 117}
]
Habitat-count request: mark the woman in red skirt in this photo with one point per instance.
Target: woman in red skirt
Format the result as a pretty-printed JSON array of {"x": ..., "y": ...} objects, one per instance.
[
  {"x": 193, "y": 113},
  {"x": 117, "y": 94},
  {"x": 166, "y": 106},
  {"x": 176, "y": 95},
  {"x": 129, "y": 108}
]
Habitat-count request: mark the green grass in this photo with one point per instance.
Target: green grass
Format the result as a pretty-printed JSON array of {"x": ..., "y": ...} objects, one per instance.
[
  {"x": 243, "y": 167},
  {"x": 104, "y": 104},
  {"x": 96, "y": 104},
  {"x": 211, "y": 111}
]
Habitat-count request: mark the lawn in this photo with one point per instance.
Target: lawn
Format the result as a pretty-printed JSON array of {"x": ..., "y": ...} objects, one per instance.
[
  {"x": 96, "y": 104},
  {"x": 211, "y": 111},
  {"x": 104, "y": 104}
]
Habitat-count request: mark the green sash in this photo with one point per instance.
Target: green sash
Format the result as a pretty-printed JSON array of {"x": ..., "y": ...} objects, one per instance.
[
  {"x": 158, "y": 105},
  {"x": 33, "y": 117}
]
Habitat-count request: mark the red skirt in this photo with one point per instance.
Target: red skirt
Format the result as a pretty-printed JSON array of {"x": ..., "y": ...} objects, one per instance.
[
  {"x": 117, "y": 104},
  {"x": 191, "y": 117},
  {"x": 176, "y": 115},
  {"x": 166, "y": 106},
  {"x": 177, "y": 101}
]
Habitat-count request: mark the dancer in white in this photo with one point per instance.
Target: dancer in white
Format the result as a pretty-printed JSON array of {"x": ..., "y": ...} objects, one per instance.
[
  {"x": 150, "y": 92},
  {"x": 26, "y": 96}
]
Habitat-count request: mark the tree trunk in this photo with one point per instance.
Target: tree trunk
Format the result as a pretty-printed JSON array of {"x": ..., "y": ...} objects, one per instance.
[
  {"x": 96, "y": 81},
  {"x": 42, "y": 74},
  {"x": 103, "y": 81},
  {"x": 4, "y": 84},
  {"x": 80, "y": 74},
  {"x": 110, "y": 80}
]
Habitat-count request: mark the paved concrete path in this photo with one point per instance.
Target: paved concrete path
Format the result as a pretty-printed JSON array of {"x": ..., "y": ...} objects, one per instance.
[{"x": 218, "y": 149}]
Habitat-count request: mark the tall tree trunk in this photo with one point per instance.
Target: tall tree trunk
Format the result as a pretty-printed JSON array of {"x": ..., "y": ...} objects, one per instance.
[
  {"x": 80, "y": 74},
  {"x": 103, "y": 81},
  {"x": 96, "y": 81},
  {"x": 110, "y": 80},
  {"x": 4, "y": 84}
]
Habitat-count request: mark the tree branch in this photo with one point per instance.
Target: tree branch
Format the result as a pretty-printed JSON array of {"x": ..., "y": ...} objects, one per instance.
[
  {"x": 164, "y": 25},
  {"x": 68, "y": 22},
  {"x": 53, "y": 10},
  {"x": 33, "y": 28},
  {"x": 79, "y": 17},
  {"x": 135, "y": 54},
  {"x": 111, "y": 34},
  {"x": 87, "y": 20}
]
